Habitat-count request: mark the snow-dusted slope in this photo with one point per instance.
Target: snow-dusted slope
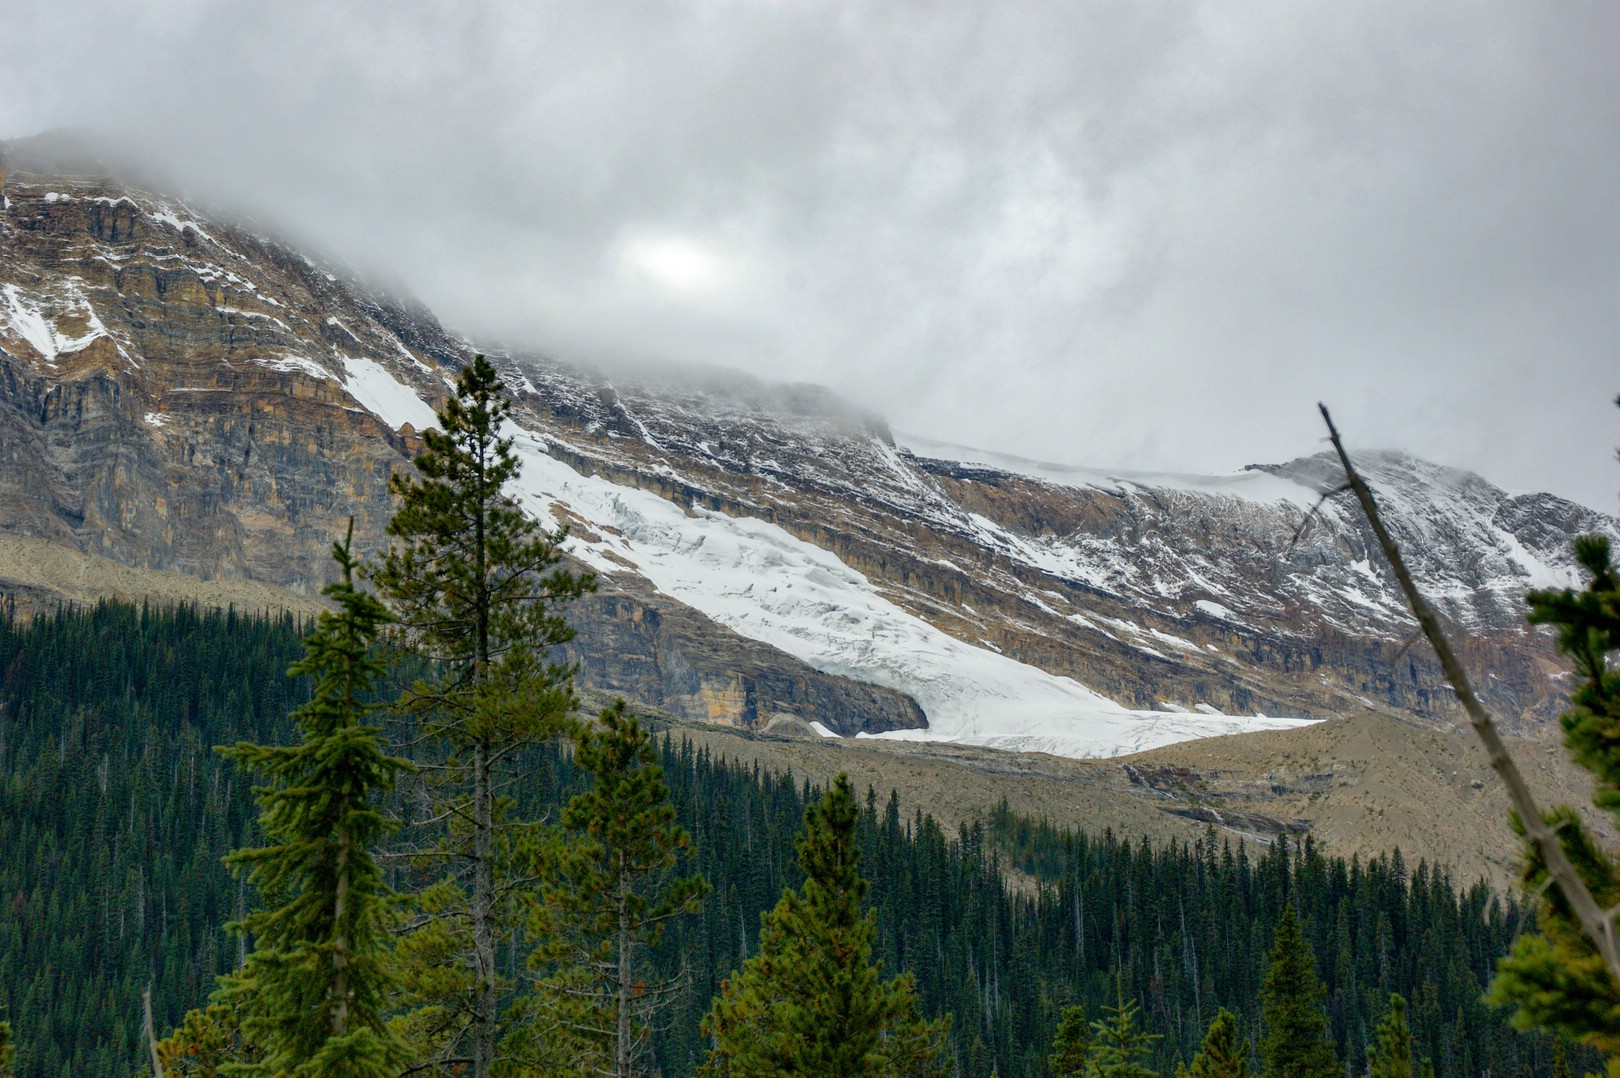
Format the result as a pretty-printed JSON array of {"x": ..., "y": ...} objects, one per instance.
[{"x": 761, "y": 581}]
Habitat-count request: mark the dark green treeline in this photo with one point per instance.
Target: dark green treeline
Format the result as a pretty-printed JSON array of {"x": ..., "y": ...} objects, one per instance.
[{"x": 115, "y": 812}]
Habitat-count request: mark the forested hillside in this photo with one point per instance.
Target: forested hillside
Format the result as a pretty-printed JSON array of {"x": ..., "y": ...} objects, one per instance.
[{"x": 115, "y": 813}]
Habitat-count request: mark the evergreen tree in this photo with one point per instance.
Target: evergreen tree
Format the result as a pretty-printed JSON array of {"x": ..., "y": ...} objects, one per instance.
[
  {"x": 1556, "y": 978},
  {"x": 1390, "y": 1055},
  {"x": 313, "y": 991},
  {"x": 8, "y": 1051},
  {"x": 1119, "y": 1047},
  {"x": 1072, "y": 1043},
  {"x": 1290, "y": 1009},
  {"x": 811, "y": 1001},
  {"x": 1223, "y": 1055},
  {"x": 607, "y": 895},
  {"x": 474, "y": 584}
]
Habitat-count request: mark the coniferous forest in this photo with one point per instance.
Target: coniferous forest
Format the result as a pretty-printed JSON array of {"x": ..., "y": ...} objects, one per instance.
[{"x": 115, "y": 814}]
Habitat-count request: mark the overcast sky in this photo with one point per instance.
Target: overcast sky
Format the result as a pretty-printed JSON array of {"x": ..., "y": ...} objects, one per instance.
[{"x": 1143, "y": 235}]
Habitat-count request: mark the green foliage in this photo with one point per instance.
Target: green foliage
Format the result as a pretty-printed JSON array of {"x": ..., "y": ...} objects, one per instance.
[
  {"x": 1555, "y": 978},
  {"x": 475, "y": 585},
  {"x": 812, "y": 1001},
  {"x": 313, "y": 992},
  {"x": 114, "y": 816},
  {"x": 1224, "y": 1054},
  {"x": 1290, "y": 1008},
  {"x": 608, "y": 891},
  {"x": 208, "y": 1041},
  {"x": 1072, "y": 1043},
  {"x": 1390, "y": 1054},
  {"x": 1119, "y": 1046},
  {"x": 8, "y": 1051}
]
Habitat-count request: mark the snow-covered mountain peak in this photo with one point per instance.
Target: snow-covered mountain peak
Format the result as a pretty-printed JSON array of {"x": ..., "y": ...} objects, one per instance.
[{"x": 182, "y": 393}]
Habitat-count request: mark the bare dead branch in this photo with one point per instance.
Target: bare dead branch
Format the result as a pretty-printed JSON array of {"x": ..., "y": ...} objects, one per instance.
[
  {"x": 151, "y": 1037},
  {"x": 1315, "y": 511},
  {"x": 1417, "y": 634},
  {"x": 1598, "y": 926}
]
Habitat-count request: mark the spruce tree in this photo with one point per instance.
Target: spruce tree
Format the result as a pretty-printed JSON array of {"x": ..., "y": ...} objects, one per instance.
[
  {"x": 609, "y": 890},
  {"x": 1224, "y": 1054},
  {"x": 1118, "y": 1045},
  {"x": 313, "y": 991},
  {"x": 1072, "y": 1042},
  {"x": 1390, "y": 1054},
  {"x": 1555, "y": 977},
  {"x": 812, "y": 1001},
  {"x": 474, "y": 584},
  {"x": 1291, "y": 1011}
]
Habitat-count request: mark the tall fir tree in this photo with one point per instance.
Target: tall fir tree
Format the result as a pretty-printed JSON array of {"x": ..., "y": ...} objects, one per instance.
[
  {"x": 1556, "y": 978},
  {"x": 476, "y": 586},
  {"x": 609, "y": 889},
  {"x": 1071, "y": 1044},
  {"x": 1224, "y": 1053},
  {"x": 812, "y": 1001},
  {"x": 1291, "y": 1009},
  {"x": 313, "y": 992},
  {"x": 1390, "y": 1054}
]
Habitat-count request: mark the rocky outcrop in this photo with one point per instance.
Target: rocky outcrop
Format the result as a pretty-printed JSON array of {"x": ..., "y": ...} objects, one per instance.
[
  {"x": 657, "y": 651},
  {"x": 174, "y": 396}
]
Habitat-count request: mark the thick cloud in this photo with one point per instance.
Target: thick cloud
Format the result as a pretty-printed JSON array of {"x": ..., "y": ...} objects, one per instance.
[{"x": 1109, "y": 233}]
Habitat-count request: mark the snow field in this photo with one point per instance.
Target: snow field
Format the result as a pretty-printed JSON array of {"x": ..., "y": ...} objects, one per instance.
[{"x": 763, "y": 583}]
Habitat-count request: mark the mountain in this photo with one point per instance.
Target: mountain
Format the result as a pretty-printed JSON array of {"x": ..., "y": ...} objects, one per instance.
[{"x": 183, "y": 395}]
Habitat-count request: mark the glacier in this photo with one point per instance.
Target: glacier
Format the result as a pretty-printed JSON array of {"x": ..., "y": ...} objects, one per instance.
[{"x": 764, "y": 583}]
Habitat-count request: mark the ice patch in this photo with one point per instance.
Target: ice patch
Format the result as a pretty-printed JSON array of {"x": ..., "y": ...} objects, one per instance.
[
  {"x": 822, "y": 730},
  {"x": 299, "y": 363},
  {"x": 180, "y": 224},
  {"x": 32, "y": 325},
  {"x": 1215, "y": 610},
  {"x": 385, "y": 396}
]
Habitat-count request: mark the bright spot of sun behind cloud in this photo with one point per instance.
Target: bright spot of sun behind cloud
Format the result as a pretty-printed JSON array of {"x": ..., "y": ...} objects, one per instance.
[{"x": 677, "y": 263}]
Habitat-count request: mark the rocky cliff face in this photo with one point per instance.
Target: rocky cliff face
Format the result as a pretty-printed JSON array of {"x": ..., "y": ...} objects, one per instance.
[{"x": 181, "y": 394}]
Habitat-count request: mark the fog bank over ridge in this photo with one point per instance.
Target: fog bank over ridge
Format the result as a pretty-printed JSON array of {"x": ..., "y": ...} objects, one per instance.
[{"x": 1103, "y": 234}]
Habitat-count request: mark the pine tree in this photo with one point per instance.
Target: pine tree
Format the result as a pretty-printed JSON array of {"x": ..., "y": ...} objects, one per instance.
[
  {"x": 8, "y": 1051},
  {"x": 1223, "y": 1055},
  {"x": 607, "y": 895},
  {"x": 313, "y": 991},
  {"x": 1390, "y": 1055},
  {"x": 1118, "y": 1044},
  {"x": 1555, "y": 977},
  {"x": 474, "y": 584},
  {"x": 811, "y": 1001},
  {"x": 1290, "y": 1009},
  {"x": 1071, "y": 1044}
]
